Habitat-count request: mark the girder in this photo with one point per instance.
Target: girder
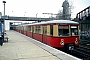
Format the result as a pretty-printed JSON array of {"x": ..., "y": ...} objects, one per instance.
[{"x": 26, "y": 18}]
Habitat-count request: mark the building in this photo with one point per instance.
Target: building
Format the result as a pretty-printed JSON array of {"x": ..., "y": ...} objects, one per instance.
[{"x": 66, "y": 10}]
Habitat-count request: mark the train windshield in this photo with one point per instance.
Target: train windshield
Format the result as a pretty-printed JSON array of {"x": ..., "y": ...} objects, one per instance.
[
  {"x": 63, "y": 30},
  {"x": 74, "y": 30}
]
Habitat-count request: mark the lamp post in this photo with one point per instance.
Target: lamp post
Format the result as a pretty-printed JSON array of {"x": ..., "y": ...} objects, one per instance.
[
  {"x": 4, "y": 20},
  {"x": 36, "y": 15},
  {"x": 12, "y": 13},
  {"x": 25, "y": 13}
]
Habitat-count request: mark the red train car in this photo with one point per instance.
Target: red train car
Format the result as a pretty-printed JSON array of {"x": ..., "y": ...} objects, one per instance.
[{"x": 56, "y": 33}]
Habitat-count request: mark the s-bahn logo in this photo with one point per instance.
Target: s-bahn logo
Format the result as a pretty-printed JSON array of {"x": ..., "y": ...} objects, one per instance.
[
  {"x": 76, "y": 41},
  {"x": 62, "y": 42}
]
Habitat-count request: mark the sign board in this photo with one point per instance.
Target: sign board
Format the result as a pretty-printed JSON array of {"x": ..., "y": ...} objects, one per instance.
[{"x": 63, "y": 27}]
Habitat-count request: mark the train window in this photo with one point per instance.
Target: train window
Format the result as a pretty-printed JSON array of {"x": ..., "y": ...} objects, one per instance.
[
  {"x": 51, "y": 30},
  {"x": 63, "y": 30},
  {"x": 45, "y": 30},
  {"x": 38, "y": 29},
  {"x": 33, "y": 29},
  {"x": 30, "y": 28},
  {"x": 24, "y": 28},
  {"x": 27, "y": 29},
  {"x": 74, "y": 30}
]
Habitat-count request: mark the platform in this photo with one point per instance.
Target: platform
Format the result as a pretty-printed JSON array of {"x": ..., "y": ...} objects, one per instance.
[{"x": 21, "y": 47}]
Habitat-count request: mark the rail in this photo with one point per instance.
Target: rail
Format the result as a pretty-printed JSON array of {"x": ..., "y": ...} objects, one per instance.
[{"x": 83, "y": 51}]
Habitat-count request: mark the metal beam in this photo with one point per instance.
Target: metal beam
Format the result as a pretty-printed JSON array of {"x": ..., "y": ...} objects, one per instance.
[{"x": 26, "y": 18}]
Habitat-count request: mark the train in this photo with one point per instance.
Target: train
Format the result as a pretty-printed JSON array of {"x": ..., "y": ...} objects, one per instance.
[{"x": 56, "y": 33}]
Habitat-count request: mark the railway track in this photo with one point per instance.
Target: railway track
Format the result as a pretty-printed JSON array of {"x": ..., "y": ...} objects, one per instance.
[{"x": 83, "y": 51}]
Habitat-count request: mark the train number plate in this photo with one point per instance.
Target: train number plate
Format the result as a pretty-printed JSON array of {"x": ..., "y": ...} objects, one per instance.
[{"x": 71, "y": 47}]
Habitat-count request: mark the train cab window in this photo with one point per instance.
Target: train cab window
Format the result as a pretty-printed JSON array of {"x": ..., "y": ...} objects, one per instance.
[
  {"x": 51, "y": 30},
  {"x": 74, "y": 30},
  {"x": 63, "y": 30}
]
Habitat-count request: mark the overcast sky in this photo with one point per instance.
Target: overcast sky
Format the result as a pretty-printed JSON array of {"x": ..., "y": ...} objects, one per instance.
[{"x": 31, "y": 7}]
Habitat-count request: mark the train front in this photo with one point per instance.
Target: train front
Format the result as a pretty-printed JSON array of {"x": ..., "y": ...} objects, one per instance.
[{"x": 69, "y": 36}]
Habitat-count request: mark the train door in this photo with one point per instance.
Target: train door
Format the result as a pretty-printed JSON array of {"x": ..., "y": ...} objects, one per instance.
[
  {"x": 44, "y": 35},
  {"x": 23, "y": 29},
  {"x": 26, "y": 30},
  {"x": 32, "y": 31}
]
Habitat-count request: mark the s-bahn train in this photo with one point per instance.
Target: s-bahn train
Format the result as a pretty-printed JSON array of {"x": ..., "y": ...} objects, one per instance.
[{"x": 55, "y": 33}]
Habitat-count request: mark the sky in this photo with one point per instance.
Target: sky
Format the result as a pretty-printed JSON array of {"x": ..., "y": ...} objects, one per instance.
[{"x": 29, "y": 8}]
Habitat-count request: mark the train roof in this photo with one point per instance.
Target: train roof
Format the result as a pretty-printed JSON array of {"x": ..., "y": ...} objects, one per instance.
[
  {"x": 53, "y": 21},
  {"x": 62, "y": 21}
]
